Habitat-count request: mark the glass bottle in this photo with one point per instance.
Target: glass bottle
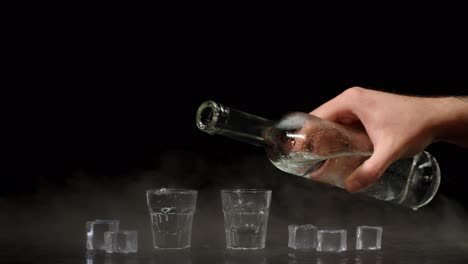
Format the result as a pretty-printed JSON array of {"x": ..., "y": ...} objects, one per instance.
[{"x": 305, "y": 145}]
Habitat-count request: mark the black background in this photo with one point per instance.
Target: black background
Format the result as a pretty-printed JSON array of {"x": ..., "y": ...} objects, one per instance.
[
  {"x": 100, "y": 107},
  {"x": 108, "y": 95}
]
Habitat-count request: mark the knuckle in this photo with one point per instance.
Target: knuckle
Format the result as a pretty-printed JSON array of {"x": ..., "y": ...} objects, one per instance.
[
  {"x": 354, "y": 91},
  {"x": 372, "y": 173}
]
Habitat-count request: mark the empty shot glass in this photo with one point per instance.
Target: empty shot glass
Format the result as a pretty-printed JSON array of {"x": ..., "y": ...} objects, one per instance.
[
  {"x": 245, "y": 217},
  {"x": 171, "y": 212}
]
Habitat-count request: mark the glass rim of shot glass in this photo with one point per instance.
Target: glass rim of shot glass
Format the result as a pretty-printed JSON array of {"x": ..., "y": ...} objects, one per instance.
[
  {"x": 171, "y": 190},
  {"x": 246, "y": 191}
]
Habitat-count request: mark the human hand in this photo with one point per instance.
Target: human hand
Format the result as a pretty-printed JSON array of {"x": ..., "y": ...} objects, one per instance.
[{"x": 398, "y": 126}]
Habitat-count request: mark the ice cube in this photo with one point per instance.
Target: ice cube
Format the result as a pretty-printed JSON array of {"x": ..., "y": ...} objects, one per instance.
[
  {"x": 122, "y": 241},
  {"x": 331, "y": 240},
  {"x": 302, "y": 236},
  {"x": 368, "y": 237},
  {"x": 95, "y": 233}
]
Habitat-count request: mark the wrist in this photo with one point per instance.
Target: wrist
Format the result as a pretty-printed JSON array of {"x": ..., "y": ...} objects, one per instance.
[{"x": 449, "y": 121}]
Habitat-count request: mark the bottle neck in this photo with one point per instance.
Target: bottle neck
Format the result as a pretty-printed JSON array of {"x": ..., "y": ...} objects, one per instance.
[{"x": 214, "y": 118}]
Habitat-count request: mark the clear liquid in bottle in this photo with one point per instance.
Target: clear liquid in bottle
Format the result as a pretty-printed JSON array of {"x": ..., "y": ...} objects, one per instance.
[{"x": 329, "y": 153}]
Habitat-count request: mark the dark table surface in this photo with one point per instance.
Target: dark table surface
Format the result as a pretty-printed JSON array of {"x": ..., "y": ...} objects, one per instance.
[
  {"x": 404, "y": 254},
  {"x": 49, "y": 226}
]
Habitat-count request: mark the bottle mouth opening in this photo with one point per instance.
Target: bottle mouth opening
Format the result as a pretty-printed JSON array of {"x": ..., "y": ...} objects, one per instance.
[{"x": 207, "y": 115}]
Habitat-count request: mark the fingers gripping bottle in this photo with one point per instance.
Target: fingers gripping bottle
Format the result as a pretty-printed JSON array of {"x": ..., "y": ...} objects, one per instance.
[{"x": 305, "y": 145}]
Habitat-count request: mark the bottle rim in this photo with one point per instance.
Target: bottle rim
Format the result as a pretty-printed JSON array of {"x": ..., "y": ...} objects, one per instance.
[{"x": 207, "y": 115}]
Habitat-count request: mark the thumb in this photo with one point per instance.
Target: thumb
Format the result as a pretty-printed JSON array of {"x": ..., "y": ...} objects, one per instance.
[{"x": 369, "y": 171}]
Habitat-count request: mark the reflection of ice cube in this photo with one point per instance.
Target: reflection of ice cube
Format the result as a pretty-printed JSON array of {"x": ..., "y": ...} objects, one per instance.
[
  {"x": 123, "y": 241},
  {"x": 365, "y": 257},
  {"x": 302, "y": 236},
  {"x": 331, "y": 240},
  {"x": 368, "y": 237},
  {"x": 311, "y": 257},
  {"x": 302, "y": 257},
  {"x": 99, "y": 257},
  {"x": 333, "y": 259},
  {"x": 95, "y": 233}
]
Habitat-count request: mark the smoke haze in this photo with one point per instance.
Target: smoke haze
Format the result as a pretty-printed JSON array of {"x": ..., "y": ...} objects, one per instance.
[{"x": 55, "y": 215}]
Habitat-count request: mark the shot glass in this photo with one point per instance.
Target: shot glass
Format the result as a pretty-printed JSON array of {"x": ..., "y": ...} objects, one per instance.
[
  {"x": 171, "y": 212},
  {"x": 245, "y": 217}
]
